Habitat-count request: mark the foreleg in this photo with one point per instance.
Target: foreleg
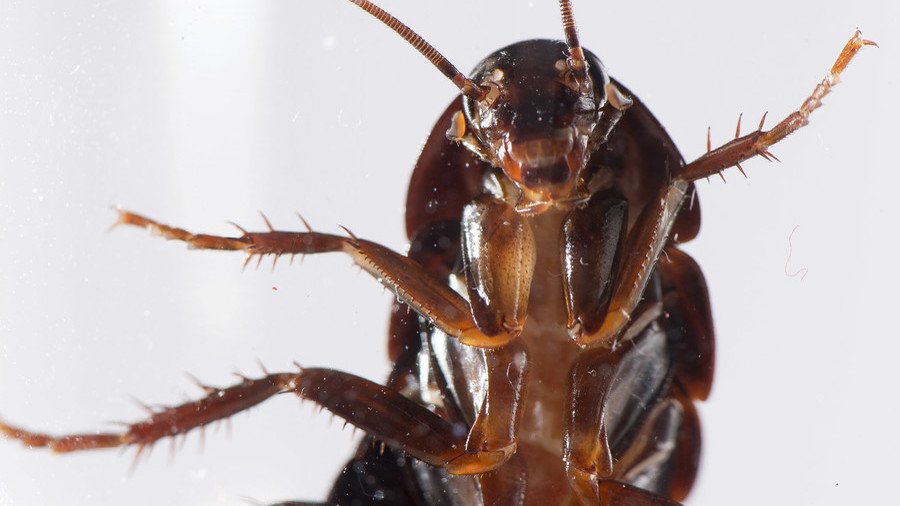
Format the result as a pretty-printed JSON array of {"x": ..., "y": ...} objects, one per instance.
[{"x": 643, "y": 246}]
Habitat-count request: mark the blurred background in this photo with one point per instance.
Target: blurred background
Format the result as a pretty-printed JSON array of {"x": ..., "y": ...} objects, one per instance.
[{"x": 198, "y": 112}]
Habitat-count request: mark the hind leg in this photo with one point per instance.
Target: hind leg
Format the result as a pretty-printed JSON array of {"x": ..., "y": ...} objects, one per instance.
[{"x": 369, "y": 406}]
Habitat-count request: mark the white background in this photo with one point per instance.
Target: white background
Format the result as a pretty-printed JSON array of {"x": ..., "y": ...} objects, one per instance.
[{"x": 197, "y": 112}]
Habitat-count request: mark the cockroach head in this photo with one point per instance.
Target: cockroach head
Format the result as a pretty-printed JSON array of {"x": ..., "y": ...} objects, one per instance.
[
  {"x": 538, "y": 118},
  {"x": 537, "y": 109}
]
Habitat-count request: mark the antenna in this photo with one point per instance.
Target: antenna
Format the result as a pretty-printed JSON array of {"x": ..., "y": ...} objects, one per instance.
[
  {"x": 576, "y": 62},
  {"x": 466, "y": 85}
]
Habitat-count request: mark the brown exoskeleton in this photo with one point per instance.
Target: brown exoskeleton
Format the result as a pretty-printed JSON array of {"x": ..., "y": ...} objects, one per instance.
[{"x": 579, "y": 362}]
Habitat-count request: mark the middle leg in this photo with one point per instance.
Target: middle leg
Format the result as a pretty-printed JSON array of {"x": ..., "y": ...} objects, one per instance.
[
  {"x": 630, "y": 438},
  {"x": 429, "y": 296}
]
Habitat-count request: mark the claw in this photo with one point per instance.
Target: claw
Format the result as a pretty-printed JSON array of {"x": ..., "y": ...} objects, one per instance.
[{"x": 119, "y": 218}]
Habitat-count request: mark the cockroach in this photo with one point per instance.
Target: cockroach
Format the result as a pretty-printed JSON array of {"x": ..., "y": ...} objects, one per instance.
[{"x": 553, "y": 201}]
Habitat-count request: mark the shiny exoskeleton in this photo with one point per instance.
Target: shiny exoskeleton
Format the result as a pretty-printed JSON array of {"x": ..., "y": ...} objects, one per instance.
[{"x": 558, "y": 337}]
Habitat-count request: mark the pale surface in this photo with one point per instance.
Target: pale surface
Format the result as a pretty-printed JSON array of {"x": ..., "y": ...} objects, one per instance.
[{"x": 200, "y": 112}]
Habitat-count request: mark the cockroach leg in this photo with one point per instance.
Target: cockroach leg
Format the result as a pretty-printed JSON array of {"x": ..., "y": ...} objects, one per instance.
[
  {"x": 428, "y": 295},
  {"x": 499, "y": 257},
  {"x": 497, "y": 421},
  {"x": 166, "y": 422},
  {"x": 644, "y": 245},
  {"x": 506, "y": 485},
  {"x": 758, "y": 142},
  {"x": 592, "y": 241},
  {"x": 597, "y": 407},
  {"x": 376, "y": 409},
  {"x": 397, "y": 420}
]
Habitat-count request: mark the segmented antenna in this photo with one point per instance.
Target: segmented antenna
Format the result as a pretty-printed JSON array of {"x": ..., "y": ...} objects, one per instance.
[
  {"x": 466, "y": 85},
  {"x": 577, "y": 62}
]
